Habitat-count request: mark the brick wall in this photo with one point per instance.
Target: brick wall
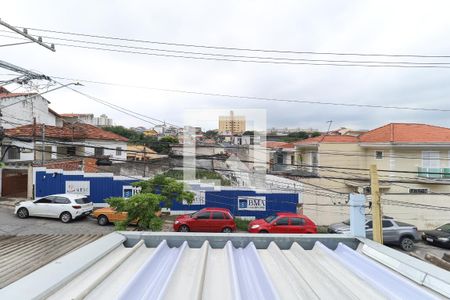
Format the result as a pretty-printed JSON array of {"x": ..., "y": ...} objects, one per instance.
[{"x": 74, "y": 165}]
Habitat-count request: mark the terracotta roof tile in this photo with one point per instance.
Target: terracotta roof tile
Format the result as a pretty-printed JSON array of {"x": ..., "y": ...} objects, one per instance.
[
  {"x": 273, "y": 144},
  {"x": 328, "y": 139},
  {"x": 68, "y": 131},
  {"x": 12, "y": 95},
  {"x": 407, "y": 133}
]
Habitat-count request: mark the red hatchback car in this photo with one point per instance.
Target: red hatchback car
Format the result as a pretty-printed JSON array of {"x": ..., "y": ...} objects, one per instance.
[
  {"x": 283, "y": 223},
  {"x": 209, "y": 219}
]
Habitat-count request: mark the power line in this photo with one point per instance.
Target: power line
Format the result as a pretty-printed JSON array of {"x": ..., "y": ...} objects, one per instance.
[
  {"x": 220, "y": 57},
  {"x": 302, "y": 176},
  {"x": 246, "y": 56},
  {"x": 261, "y": 98},
  {"x": 400, "y": 203},
  {"x": 235, "y": 48},
  {"x": 121, "y": 109}
]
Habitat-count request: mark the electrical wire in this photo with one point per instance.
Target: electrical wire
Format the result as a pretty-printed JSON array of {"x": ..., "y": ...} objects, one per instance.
[
  {"x": 264, "y": 99},
  {"x": 53, "y": 38},
  {"x": 233, "y": 48},
  {"x": 401, "y": 203},
  {"x": 261, "y": 61}
]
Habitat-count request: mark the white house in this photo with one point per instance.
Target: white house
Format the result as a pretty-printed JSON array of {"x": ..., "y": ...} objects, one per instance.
[
  {"x": 69, "y": 140},
  {"x": 21, "y": 108}
]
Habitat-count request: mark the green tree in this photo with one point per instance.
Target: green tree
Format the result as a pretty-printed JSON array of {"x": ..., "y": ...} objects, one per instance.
[
  {"x": 296, "y": 136},
  {"x": 163, "y": 145},
  {"x": 211, "y": 134},
  {"x": 168, "y": 188},
  {"x": 315, "y": 134},
  {"x": 143, "y": 207},
  {"x": 132, "y": 135}
]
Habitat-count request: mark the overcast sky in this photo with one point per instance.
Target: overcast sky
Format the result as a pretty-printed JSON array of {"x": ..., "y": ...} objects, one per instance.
[{"x": 415, "y": 27}]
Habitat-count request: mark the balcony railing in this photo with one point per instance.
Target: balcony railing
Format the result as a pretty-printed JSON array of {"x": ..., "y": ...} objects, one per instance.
[{"x": 434, "y": 173}]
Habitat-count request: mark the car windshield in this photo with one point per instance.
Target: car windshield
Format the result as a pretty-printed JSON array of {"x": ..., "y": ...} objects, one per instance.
[
  {"x": 270, "y": 219},
  {"x": 347, "y": 222},
  {"x": 84, "y": 200},
  {"x": 445, "y": 228},
  {"x": 195, "y": 213}
]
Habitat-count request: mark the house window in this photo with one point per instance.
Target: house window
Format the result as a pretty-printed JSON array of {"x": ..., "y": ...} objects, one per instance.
[
  {"x": 292, "y": 159},
  {"x": 314, "y": 161},
  {"x": 13, "y": 153},
  {"x": 99, "y": 151},
  {"x": 431, "y": 159},
  {"x": 71, "y": 151},
  {"x": 118, "y": 151},
  {"x": 418, "y": 191},
  {"x": 279, "y": 158},
  {"x": 378, "y": 154}
]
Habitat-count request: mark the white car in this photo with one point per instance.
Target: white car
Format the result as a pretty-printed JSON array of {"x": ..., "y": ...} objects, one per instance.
[{"x": 65, "y": 207}]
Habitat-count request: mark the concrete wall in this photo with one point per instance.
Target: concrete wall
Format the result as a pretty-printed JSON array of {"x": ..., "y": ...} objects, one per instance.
[
  {"x": 423, "y": 218},
  {"x": 139, "y": 169},
  {"x": 325, "y": 208}
]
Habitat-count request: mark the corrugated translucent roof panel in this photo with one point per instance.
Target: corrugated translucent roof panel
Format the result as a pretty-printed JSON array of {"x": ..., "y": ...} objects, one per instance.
[{"x": 227, "y": 272}]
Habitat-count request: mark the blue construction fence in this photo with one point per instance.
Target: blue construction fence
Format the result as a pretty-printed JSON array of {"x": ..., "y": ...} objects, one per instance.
[
  {"x": 96, "y": 185},
  {"x": 240, "y": 201}
]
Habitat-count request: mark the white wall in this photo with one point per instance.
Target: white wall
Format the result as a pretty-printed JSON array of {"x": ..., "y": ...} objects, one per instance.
[
  {"x": 28, "y": 155},
  {"x": 22, "y": 113},
  {"x": 106, "y": 144}
]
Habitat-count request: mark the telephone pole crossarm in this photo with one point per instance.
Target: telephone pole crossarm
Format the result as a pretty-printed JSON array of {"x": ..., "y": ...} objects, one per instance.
[{"x": 24, "y": 33}]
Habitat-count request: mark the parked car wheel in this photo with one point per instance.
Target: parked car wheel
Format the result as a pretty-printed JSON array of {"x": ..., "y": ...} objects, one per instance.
[
  {"x": 102, "y": 220},
  {"x": 227, "y": 230},
  {"x": 22, "y": 213},
  {"x": 263, "y": 231},
  {"x": 406, "y": 243},
  {"x": 65, "y": 217},
  {"x": 183, "y": 228}
]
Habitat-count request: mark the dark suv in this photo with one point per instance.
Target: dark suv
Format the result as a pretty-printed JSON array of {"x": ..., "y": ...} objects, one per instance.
[{"x": 394, "y": 232}]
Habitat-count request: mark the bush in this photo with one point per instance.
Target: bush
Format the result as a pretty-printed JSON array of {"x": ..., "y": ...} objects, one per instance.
[
  {"x": 140, "y": 208},
  {"x": 241, "y": 224}
]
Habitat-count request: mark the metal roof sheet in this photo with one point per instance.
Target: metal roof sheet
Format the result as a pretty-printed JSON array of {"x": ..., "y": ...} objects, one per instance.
[
  {"x": 223, "y": 267},
  {"x": 21, "y": 255}
]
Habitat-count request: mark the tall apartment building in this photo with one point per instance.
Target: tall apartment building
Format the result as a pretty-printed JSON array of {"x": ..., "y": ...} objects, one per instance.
[
  {"x": 90, "y": 119},
  {"x": 231, "y": 124}
]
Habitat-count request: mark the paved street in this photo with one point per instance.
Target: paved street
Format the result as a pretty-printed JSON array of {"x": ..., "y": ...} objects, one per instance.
[
  {"x": 11, "y": 225},
  {"x": 422, "y": 249}
]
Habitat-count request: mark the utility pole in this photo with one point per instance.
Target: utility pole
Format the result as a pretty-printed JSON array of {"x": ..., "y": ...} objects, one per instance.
[
  {"x": 145, "y": 164},
  {"x": 43, "y": 145},
  {"x": 34, "y": 138},
  {"x": 376, "y": 205}
]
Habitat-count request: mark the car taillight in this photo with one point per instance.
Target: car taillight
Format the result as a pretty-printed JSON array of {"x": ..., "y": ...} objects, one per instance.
[{"x": 76, "y": 206}]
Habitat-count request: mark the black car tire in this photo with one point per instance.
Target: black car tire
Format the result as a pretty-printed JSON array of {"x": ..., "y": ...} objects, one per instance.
[
  {"x": 65, "y": 217},
  {"x": 22, "y": 213},
  {"x": 263, "y": 231},
  {"x": 183, "y": 228},
  {"x": 407, "y": 243},
  {"x": 227, "y": 230},
  {"x": 102, "y": 220}
]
